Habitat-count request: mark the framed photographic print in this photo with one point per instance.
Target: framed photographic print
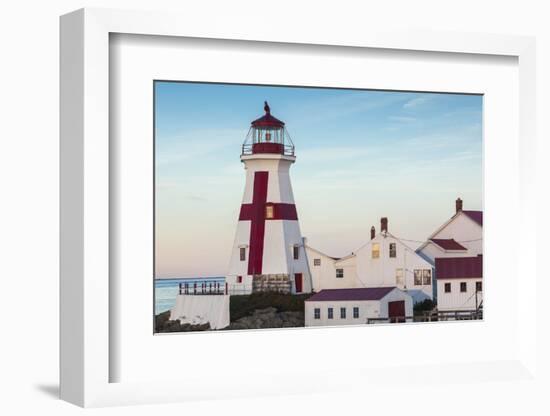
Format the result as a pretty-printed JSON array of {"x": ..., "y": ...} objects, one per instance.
[
  {"x": 269, "y": 207},
  {"x": 216, "y": 268}
]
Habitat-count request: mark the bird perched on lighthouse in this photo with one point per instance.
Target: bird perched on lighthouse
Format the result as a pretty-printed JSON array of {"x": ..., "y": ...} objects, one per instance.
[{"x": 268, "y": 253}]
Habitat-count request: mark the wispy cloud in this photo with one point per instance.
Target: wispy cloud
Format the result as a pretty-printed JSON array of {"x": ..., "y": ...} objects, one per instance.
[
  {"x": 415, "y": 102},
  {"x": 343, "y": 105}
]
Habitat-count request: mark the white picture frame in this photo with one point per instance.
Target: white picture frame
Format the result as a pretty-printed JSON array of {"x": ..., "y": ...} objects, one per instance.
[{"x": 86, "y": 356}]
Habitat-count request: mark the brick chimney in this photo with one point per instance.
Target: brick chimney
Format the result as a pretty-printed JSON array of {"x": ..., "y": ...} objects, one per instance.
[
  {"x": 458, "y": 204},
  {"x": 372, "y": 232},
  {"x": 384, "y": 224}
]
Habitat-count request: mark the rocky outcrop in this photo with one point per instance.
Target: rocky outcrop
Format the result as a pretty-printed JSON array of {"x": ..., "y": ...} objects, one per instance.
[
  {"x": 164, "y": 324},
  {"x": 269, "y": 318}
]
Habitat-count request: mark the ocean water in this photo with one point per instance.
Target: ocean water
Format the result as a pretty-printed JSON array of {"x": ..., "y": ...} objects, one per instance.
[{"x": 166, "y": 290}]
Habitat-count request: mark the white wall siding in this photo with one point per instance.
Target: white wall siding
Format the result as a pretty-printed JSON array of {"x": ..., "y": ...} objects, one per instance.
[
  {"x": 280, "y": 235},
  {"x": 279, "y": 188},
  {"x": 463, "y": 230},
  {"x": 377, "y": 272},
  {"x": 367, "y": 309},
  {"x": 457, "y": 300},
  {"x": 324, "y": 275},
  {"x": 201, "y": 309},
  {"x": 349, "y": 267},
  {"x": 242, "y": 239},
  {"x": 361, "y": 270},
  {"x": 293, "y": 237}
]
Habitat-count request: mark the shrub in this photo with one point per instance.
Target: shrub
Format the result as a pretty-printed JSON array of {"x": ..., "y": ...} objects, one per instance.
[
  {"x": 245, "y": 305},
  {"x": 425, "y": 306}
]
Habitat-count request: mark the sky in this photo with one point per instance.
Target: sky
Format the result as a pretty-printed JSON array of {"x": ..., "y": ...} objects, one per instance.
[{"x": 360, "y": 155}]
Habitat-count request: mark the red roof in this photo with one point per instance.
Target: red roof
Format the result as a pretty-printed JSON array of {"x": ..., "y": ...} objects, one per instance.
[
  {"x": 477, "y": 216},
  {"x": 459, "y": 267},
  {"x": 448, "y": 244},
  {"x": 364, "y": 293},
  {"x": 268, "y": 120}
]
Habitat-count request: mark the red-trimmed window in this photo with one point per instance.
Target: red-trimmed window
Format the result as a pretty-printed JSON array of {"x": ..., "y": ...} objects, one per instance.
[{"x": 239, "y": 279}]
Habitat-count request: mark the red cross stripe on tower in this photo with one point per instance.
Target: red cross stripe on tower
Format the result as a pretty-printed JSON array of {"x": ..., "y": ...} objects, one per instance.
[{"x": 257, "y": 213}]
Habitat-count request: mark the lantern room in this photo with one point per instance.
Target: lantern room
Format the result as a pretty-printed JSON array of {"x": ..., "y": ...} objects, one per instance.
[{"x": 267, "y": 134}]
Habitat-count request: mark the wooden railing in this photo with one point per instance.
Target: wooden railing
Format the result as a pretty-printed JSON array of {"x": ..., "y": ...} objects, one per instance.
[
  {"x": 202, "y": 288},
  {"x": 433, "y": 316}
]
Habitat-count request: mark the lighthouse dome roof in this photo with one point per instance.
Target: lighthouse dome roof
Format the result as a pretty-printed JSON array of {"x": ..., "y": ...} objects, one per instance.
[{"x": 267, "y": 120}]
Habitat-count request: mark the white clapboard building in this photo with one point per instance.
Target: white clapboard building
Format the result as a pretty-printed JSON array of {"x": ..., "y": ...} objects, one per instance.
[
  {"x": 384, "y": 261},
  {"x": 455, "y": 250},
  {"x": 459, "y": 236},
  {"x": 358, "y": 306},
  {"x": 459, "y": 283}
]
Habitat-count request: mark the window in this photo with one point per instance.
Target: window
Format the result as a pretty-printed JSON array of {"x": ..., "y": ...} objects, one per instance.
[
  {"x": 417, "y": 277},
  {"x": 393, "y": 250},
  {"x": 316, "y": 262},
  {"x": 339, "y": 273},
  {"x": 269, "y": 211},
  {"x": 463, "y": 286},
  {"x": 479, "y": 287},
  {"x": 296, "y": 252},
  {"x": 317, "y": 313},
  {"x": 330, "y": 313},
  {"x": 239, "y": 279},
  {"x": 427, "y": 277},
  {"x": 356, "y": 312},
  {"x": 342, "y": 313},
  {"x": 375, "y": 250},
  {"x": 447, "y": 288},
  {"x": 399, "y": 277},
  {"x": 243, "y": 253}
]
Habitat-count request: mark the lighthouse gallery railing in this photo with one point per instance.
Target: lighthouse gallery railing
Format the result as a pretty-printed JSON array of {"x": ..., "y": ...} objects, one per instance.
[{"x": 282, "y": 139}]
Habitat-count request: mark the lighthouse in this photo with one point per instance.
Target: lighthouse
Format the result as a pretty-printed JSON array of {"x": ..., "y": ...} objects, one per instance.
[{"x": 268, "y": 252}]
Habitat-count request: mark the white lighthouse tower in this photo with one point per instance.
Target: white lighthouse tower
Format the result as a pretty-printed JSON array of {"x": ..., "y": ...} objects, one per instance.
[{"x": 268, "y": 253}]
